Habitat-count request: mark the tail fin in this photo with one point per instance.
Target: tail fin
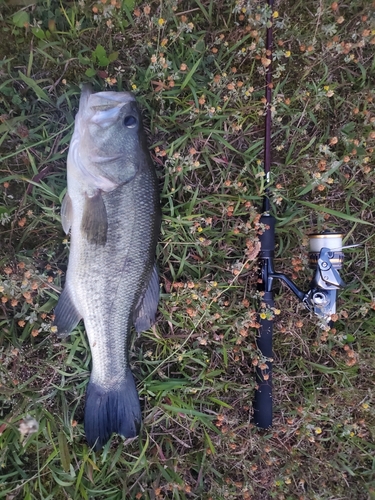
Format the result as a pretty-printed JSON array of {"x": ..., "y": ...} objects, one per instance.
[{"x": 109, "y": 411}]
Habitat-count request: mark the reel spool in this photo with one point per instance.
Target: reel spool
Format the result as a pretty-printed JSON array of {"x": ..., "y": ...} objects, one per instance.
[{"x": 332, "y": 241}]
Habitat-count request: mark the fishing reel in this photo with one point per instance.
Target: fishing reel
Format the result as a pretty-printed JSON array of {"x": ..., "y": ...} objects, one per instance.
[{"x": 325, "y": 258}]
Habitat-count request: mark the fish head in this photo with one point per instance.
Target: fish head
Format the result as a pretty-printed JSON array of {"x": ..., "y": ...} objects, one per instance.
[{"x": 108, "y": 142}]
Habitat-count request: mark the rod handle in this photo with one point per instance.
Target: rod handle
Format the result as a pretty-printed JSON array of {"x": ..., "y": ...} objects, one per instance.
[{"x": 262, "y": 404}]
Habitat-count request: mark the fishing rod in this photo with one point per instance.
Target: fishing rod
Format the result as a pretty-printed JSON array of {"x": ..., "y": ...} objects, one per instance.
[{"x": 325, "y": 258}]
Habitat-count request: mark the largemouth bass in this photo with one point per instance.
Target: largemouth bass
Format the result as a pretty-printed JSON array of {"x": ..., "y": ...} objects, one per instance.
[{"x": 112, "y": 209}]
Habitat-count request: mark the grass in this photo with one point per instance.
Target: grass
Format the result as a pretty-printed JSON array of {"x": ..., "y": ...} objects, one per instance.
[{"x": 197, "y": 71}]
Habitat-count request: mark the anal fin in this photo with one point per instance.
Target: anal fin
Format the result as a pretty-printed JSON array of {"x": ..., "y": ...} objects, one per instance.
[
  {"x": 145, "y": 311},
  {"x": 66, "y": 315},
  {"x": 94, "y": 224}
]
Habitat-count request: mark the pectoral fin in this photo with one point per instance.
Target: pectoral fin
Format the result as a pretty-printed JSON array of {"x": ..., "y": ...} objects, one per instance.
[
  {"x": 66, "y": 315},
  {"x": 66, "y": 213},
  {"x": 144, "y": 313},
  {"x": 94, "y": 224}
]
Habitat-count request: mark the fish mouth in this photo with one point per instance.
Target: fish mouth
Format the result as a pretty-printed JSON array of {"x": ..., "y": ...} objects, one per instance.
[
  {"x": 105, "y": 107},
  {"x": 110, "y": 99},
  {"x": 101, "y": 108}
]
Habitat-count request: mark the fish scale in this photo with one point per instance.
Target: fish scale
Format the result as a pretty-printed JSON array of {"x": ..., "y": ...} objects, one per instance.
[
  {"x": 113, "y": 211},
  {"x": 114, "y": 311}
]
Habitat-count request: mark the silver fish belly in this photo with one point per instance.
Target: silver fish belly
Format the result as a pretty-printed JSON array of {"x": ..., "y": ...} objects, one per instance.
[{"x": 112, "y": 207}]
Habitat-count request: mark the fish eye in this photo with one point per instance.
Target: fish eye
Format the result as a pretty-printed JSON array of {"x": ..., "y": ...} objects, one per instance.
[{"x": 130, "y": 121}]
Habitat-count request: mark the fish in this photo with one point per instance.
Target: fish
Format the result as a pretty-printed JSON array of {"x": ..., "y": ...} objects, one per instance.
[{"x": 112, "y": 210}]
